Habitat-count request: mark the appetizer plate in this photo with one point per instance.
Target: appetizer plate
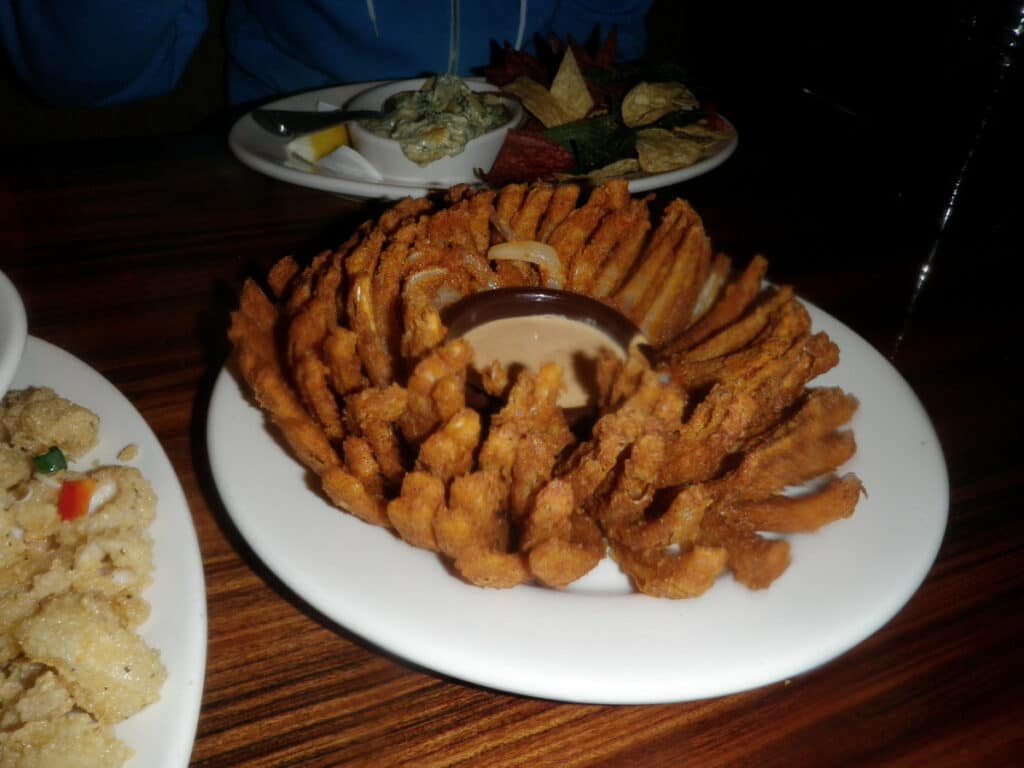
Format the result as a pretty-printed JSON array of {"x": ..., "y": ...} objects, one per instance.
[
  {"x": 162, "y": 735},
  {"x": 13, "y": 331},
  {"x": 598, "y": 641},
  {"x": 266, "y": 154}
]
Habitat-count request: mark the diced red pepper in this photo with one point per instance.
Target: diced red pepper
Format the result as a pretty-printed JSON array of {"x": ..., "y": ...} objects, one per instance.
[{"x": 74, "y": 499}]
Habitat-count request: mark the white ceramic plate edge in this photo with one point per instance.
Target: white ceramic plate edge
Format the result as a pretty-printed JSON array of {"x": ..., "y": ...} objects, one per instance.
[{"x": 13, "y": 331}]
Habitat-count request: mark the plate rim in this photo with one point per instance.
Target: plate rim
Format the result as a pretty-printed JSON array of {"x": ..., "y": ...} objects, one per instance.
[{"x": 13, "y": 331}]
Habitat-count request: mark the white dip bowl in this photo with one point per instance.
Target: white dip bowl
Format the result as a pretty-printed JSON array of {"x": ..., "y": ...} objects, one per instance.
[{"x": 386, "y": 154}]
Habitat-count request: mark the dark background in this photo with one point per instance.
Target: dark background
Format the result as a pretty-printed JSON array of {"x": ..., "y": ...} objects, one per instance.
[{"x": 876, "y": 129}]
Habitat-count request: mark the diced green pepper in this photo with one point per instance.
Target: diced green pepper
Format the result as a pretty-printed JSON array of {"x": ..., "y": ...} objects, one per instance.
[{"x": 51, "y": 461}]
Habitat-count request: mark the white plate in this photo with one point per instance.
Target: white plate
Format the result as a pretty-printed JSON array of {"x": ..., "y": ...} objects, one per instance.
[
  {"x": 266, "y": 153},
  {"x": 597, "y": 641},
  {"x": 162, "y": 734},
  {"x": 13, "y": 331}
]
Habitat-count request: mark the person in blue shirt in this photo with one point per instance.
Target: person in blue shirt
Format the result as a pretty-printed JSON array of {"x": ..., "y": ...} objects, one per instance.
[{"x": 108, "y": 52}]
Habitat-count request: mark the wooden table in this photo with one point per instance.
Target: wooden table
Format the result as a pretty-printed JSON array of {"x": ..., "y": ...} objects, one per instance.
[{"x": 131, "y": 254}]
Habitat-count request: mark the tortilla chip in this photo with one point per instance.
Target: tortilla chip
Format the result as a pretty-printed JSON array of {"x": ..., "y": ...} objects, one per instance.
[
  {"x": 538, "y": 101},
  {"x": 659, "y": 150},
  {"x": 702, "y": 134},
  {"x": 617, "y": 170},
  {"x": 647, "y": 102},
  {"x": 570, "y": 89}
]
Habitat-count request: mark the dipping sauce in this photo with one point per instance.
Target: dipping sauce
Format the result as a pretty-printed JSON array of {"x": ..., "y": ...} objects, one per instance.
[
  {"x": 439, "y": 119},
  {"x": 531, "y": 340}
]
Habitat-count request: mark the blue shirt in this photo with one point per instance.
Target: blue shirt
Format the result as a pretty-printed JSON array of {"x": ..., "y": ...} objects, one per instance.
[{"x": 105, "y": 52}]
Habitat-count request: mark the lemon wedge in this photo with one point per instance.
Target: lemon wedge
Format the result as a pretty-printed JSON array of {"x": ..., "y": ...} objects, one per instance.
[{"x": 312, "y": 146}]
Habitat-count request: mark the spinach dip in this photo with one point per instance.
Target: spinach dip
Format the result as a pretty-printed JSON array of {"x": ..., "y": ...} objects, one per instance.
[{"x": 439, "y": 119}]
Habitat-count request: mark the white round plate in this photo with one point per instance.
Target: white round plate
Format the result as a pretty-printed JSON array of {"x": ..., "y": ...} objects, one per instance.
[
  {"x": 162, "y": 734},
  {"x": 598, "y": 641},
  {"x": 266, "y": 154},
  {"x": 13, "y": 331}
]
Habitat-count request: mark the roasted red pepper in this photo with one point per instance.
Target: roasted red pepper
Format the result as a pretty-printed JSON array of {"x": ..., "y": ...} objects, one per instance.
[{"x": 74, "y": 499}]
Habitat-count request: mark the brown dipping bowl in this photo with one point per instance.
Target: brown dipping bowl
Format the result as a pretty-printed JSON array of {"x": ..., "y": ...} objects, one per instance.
[{"x": 505, "y": 303}]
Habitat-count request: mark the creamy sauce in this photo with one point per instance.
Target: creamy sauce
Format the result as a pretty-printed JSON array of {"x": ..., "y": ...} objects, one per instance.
[
  {"x": 533, "y": 340},
  {"x": 439, "y": 119}
]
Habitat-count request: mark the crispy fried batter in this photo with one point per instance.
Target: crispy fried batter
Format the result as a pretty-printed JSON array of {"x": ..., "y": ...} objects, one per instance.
[
  {"x": 601, "y": 247},
  {"x": 626, "y": 517},
  {"x": 422, "y": 319},
  {"x": 527, "y": 435},
  {"x": 800, "y": 514},
  {"x": 526, "y": 220},
  {"x": 778, "y": 385},
  {"x": 344, "y": 367},
  {"x": 253, "y": 333},
  {"x": 620, "y": 262},
  {"x": 561, "y": 543},
  {"x": 718, "y": 274},
  {"x": 413, "y": 513},
  {"x": 506, "y": 205},
  {"x": 449, "y": 451},
  {"x": 754, "y": 560},
  {"x": 473, "y": 517},
  {"x": 308, "y": 326},
  {"x": 403, "y": 211},
  {"x": 373, "y": 413},
  {"x": 436, "y": 389},
  {"x": 804, "y": 446},
  {"x": 360, "y": 461},
  {"x": 311, "y": 379},
  {"x": 685, "y": 462},
  {"x": 562, "y": 203},
  {"x": 457, "y": 239},
  {"x": 734, "y": 302},
  {"x": 386, "y": 285},
  {"x": 716, "y": 429},
  {"x": 495, "y": 380},
  {"x": 369, "y": 343},
  {"x": 788, "y": 326},
  {"x": 364, "y": 250},
  {"x": 655, "y": 407},
  {"x": 664, "y": 573},
  {"x": 672, "y": 306},
  {"x": 302, "y": 282},
  {"x": 571, "y": 236},
  {"x": 634, "y": 490},
  {"x": 734, "y": 337},
  {"x": 281, "y": 274},
  {"x": 475, "y": 534},
  {"x": 347, "y": 492},
  {"x": 636, "y": 295},
  {"x": 491, "y": 568},
  {"x": 617, "y": 379}
]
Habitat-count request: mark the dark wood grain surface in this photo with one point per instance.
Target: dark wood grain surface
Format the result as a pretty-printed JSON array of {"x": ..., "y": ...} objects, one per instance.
[{"x": 130, "y": 255}]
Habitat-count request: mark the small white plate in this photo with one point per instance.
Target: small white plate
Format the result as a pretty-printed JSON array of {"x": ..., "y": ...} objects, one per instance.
[
  {"x": 266, "y": 154},
  {"x": 598, "y": 641},
  {"x": 13, "y": 331},
  {"x": 162, "y": 734}
]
